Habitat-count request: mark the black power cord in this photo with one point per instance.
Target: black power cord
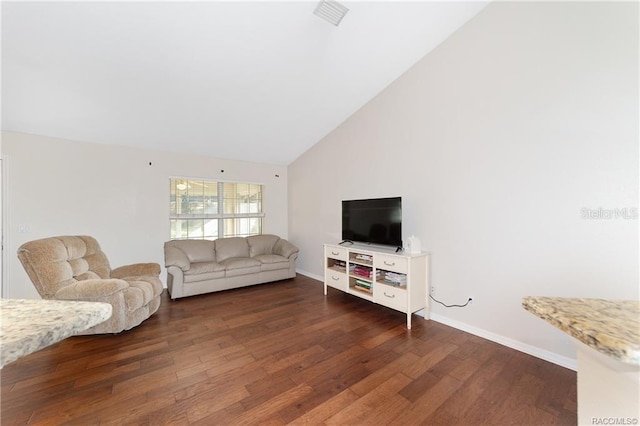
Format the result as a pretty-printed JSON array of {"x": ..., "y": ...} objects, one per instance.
[{"x": 451, "y": 306}]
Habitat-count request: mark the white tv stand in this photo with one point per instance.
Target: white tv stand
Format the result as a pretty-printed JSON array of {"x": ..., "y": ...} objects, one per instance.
[{"x": 396, "y": 280}]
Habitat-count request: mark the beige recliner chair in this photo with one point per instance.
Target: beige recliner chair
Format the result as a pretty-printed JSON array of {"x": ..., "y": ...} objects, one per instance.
[{"x": 75, "y": 268}]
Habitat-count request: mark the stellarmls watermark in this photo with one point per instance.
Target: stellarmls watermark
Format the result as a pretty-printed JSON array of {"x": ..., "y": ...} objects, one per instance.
[
  {"x": 628, "y": 213},
  {"x": 614, "y": 420}
]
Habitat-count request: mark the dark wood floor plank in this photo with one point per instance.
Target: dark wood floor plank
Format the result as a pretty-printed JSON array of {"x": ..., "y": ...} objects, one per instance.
[
  {"x": 430, "y": 359},
  {"x": 356, "y": 412},
  {"x": 382, "y": 374},
  {"x": 427, "y": 403},
  {"x": 261, "y": 413},
  {"x": 327, "y": 409},
  {"x": 387, "y": 411},
  {"x": 283, "y": 353}
]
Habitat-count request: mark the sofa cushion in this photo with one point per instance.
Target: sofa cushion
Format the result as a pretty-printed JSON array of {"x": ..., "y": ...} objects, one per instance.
[
  {"x": 239, "y": 263},
  {"x": 95, "y": 257},
  {"x": 241, "y": 266},
  {"x": 145, "y": 288},
  {"x": 76, "y": 248},
  {"x": 203, "y": 271},
  {"x": 272, "y": 262},
  {"x": 261, "y": 244},
  {"x": 141, "y": 291},
  {"x": 196, "y": 250},
  {"x": 228, "y": 248},
  {"x": 89, "y": 275},
  {"x": 92, "y": 289},
  {"x": 134, "y": 296},
  {"x": 204, "y": 267},
  {"x": 242, "y": 271},
  {"x": 271, "y": 258},
  {"x": 79, "y": 266},
  {"x": 285, "y": 248},
  {"x": 173, "y": 256}
]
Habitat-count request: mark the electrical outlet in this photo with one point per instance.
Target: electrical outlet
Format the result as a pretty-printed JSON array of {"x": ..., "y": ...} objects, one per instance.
[
  {"x": 433, "y": 290},
  {"x": 471, "y": 299}
]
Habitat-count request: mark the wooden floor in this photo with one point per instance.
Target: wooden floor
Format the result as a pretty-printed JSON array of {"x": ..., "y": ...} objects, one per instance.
[{"x": 283, "y": 353}]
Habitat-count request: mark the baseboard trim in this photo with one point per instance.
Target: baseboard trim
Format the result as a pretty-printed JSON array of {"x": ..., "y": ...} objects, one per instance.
[
  {"x": 310, "y": 275},
  {"x": 554, "y": 358}
]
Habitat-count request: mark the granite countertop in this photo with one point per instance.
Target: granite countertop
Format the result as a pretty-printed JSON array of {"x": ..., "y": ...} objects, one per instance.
[
  {"x": 611, "y": 327},
  {"x": 30, "y": 325}
]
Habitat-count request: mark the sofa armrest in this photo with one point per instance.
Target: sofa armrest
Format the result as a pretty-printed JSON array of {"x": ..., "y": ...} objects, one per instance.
[
  {"x": 136, "y": 270},
  {"x": 92, "y": 289},
  {"x": 175, "y": 257},
  {"x": 284, "y": 248}
]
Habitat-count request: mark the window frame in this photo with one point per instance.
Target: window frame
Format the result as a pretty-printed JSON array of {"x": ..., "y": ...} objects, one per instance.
[{"x": 222, "y": 216}]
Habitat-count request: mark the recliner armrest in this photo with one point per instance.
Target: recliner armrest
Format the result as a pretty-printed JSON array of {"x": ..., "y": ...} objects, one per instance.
[
  {"x": 91, "y": 289},
  {"x": 136, "y": 270},
  {"x": 175, "y": 257},
  {"x": 284, "y": 248}
]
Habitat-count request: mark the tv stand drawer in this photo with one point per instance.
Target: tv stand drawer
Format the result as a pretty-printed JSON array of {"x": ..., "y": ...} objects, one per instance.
[
  {"x": 391, "y": 263},
  {"x": 395, "y": 298},
  {"x": 337, "y": 280},
  {"x": 339, "y": 253}
]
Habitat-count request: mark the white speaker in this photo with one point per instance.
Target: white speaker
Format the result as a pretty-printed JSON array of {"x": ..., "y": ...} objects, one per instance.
[{"x": 413, "y": 245}]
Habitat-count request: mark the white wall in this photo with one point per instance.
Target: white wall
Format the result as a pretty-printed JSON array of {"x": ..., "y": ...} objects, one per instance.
[
  {"x": 496, "y": 141},
  {"x": 60, "y": 187}
]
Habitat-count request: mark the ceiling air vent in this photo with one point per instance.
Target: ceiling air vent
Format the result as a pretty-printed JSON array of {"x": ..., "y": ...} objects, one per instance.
[{"x": 331, "y": 11}]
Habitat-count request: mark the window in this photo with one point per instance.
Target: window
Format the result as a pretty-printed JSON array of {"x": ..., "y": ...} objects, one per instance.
[{"x": 201, "y": 209}]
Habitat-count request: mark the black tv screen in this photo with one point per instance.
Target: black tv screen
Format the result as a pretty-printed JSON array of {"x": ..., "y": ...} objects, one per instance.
[{"x": 374, "y": 221}]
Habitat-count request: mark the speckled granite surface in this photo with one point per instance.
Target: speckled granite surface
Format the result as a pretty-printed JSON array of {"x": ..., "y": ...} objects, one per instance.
[
  {"x": 30, "y": 325},
  {"x": 611, "y": 327}
]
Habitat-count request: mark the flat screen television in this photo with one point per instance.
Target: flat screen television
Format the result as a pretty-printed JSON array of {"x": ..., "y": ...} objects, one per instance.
[{"x": 373, "y": 221}]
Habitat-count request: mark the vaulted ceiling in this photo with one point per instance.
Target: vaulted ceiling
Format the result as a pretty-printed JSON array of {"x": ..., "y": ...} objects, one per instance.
[{"x": 257, "y": 81}]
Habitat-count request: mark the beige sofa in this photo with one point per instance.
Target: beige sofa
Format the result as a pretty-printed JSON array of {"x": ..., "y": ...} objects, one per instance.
[
  {"x": 74, "y": 267},
  {"x": 202, "y": 266}
]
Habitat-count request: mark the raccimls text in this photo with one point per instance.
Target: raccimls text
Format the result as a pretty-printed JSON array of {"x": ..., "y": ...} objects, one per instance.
[
  {"x": 614, "y": 421},
  {"x": 600, "y": 213}
]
